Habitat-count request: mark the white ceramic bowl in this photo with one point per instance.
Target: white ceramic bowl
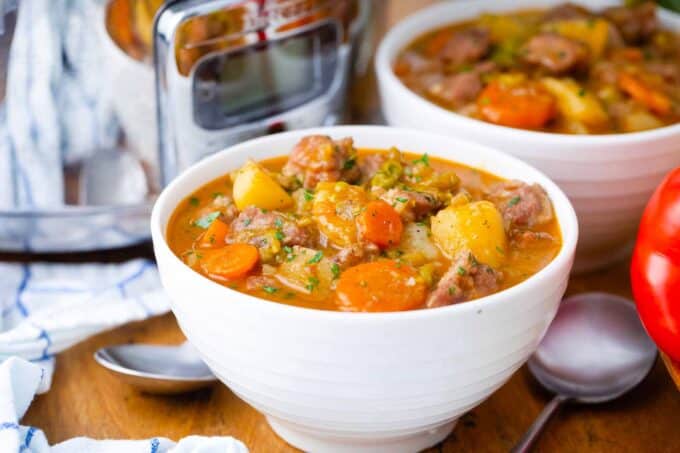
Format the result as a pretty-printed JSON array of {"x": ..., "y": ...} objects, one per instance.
[
  {"x": 608, "y": 178},
  {"x": 353, "y": 382},
  {"x": 133, "y": 83}
]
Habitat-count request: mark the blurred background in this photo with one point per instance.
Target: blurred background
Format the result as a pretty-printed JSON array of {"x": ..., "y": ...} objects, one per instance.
[{"x": 86, "y": 146}]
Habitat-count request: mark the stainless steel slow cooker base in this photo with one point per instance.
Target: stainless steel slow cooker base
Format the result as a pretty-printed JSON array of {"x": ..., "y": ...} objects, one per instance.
[{"x": 74, "y": 228}]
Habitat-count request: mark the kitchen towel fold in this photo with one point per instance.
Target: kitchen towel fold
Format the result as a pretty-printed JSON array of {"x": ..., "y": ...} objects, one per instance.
[
  {"x": 44, "y": 309},
  {"x": 20, "y": 380},
  {"x": 57, "y": 108}
]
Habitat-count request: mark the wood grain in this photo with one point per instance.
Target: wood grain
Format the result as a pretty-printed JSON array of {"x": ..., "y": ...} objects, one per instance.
[
  {"x": 98, "y": 405},
  {"x": 673, "y": 369},
  {"x": 87, "y": 401}
]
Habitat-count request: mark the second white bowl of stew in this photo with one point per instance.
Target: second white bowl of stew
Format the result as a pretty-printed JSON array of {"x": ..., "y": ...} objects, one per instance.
[
  {"x": 363, "y": 286},
  {"x": 588, "y": 92}
]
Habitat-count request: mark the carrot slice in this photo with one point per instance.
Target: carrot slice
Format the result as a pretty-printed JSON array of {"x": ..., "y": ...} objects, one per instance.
[
  {"x": 436, "y": 44},
  {"x": 379, "y": 286},
  {"x": 653, "y": 99},
  {"x": 629, "y": 53},
  {"x": 231, "y": 262},
  {"x": 119, "y": 24},
  {"x": 214, "y": 235},
  {"x": 525, "y": 106},
  {"x": 380, "y": 224}
]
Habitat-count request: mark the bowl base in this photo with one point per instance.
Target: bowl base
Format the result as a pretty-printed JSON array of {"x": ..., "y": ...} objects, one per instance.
[{"x": 318, "y": 443}]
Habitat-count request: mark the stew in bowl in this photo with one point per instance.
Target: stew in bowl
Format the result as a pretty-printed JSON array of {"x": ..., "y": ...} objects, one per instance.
[
  {"x": 565, "y": 70},
  {"x": 317, "y": 375},
  {"x": 334, "y": 227}
]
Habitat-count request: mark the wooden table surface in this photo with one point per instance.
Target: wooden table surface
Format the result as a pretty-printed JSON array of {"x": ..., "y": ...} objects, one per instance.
[{"x": 86, "y": 400}]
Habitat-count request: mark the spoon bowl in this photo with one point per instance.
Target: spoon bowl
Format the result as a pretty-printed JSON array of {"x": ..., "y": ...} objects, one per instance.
[
  {"x": 595, "y": 350},
  {"x": 157, "y": 369}
]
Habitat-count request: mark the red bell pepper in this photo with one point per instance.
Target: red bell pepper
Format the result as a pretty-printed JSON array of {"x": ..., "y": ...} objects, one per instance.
[{"x": 655, "y": 269}]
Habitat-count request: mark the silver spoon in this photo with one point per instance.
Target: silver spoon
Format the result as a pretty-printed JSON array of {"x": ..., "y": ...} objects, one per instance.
[
  {"x": 157, "y": 369},
  {"x": 595, "y": 350}
]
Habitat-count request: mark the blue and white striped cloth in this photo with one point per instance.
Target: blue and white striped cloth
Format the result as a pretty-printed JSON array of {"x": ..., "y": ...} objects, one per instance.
[
  {"x": 57, "y": 108},
  {"x": 19, "y": 381},
  {"x": 46, "y": 308}
]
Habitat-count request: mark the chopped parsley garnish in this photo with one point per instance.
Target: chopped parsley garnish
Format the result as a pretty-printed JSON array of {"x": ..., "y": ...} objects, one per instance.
[
  {"x": 308, "y": 194},
  {"x": 279, "y": 235},
  {"x": 269, "y": 289},
  {"x": 473, "y": 260},
  {"x": 205, "y": 221},
  {"x": 288, "y": 250},
  {"x": 500, "y": 250},
  {"x": 278, "y": 223},
  {"x": 452, "y": 290},
  {"x": 193, "y": 253},
  {"x": 402, "y": 199},
  {"x": 335, "y": 269},
  {"x": 582, "y": 92},
  {"x": 349, "y": 163},
  {"x": 316, "y": 258},
  {"x": 514, "y": 201},
  {"x": 461, "y": 271},
  {"x": 421, "y": 224},
  {"x": 193, "y": 201},
  {"x": 312, "y": 283},
  {"x": 424, "y": 159},
  {"x": 247, "y": 222}
]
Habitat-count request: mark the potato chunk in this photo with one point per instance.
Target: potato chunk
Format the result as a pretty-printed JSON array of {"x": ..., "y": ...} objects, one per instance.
[
  {"x": 639, "y": 121},
  {"x": 253, "y": 186},
  {"x": 594, "y": 33},
  {"x": 307, "y": 271},
  {"x": 417, "y": 246},
  {"x": 574, "y": 102},
  {"x": 335, "y": 209},
  {"x": 476, "y": 227}
]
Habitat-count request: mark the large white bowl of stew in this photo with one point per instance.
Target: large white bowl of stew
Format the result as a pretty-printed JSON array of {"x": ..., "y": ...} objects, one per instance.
[
  {"x": 589, "y": 96},
  {"x": 363, "y": 286}
]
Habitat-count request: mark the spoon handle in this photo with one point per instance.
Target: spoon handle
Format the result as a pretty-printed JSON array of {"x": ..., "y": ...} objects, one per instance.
[{"x": 525, "y": 444}]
